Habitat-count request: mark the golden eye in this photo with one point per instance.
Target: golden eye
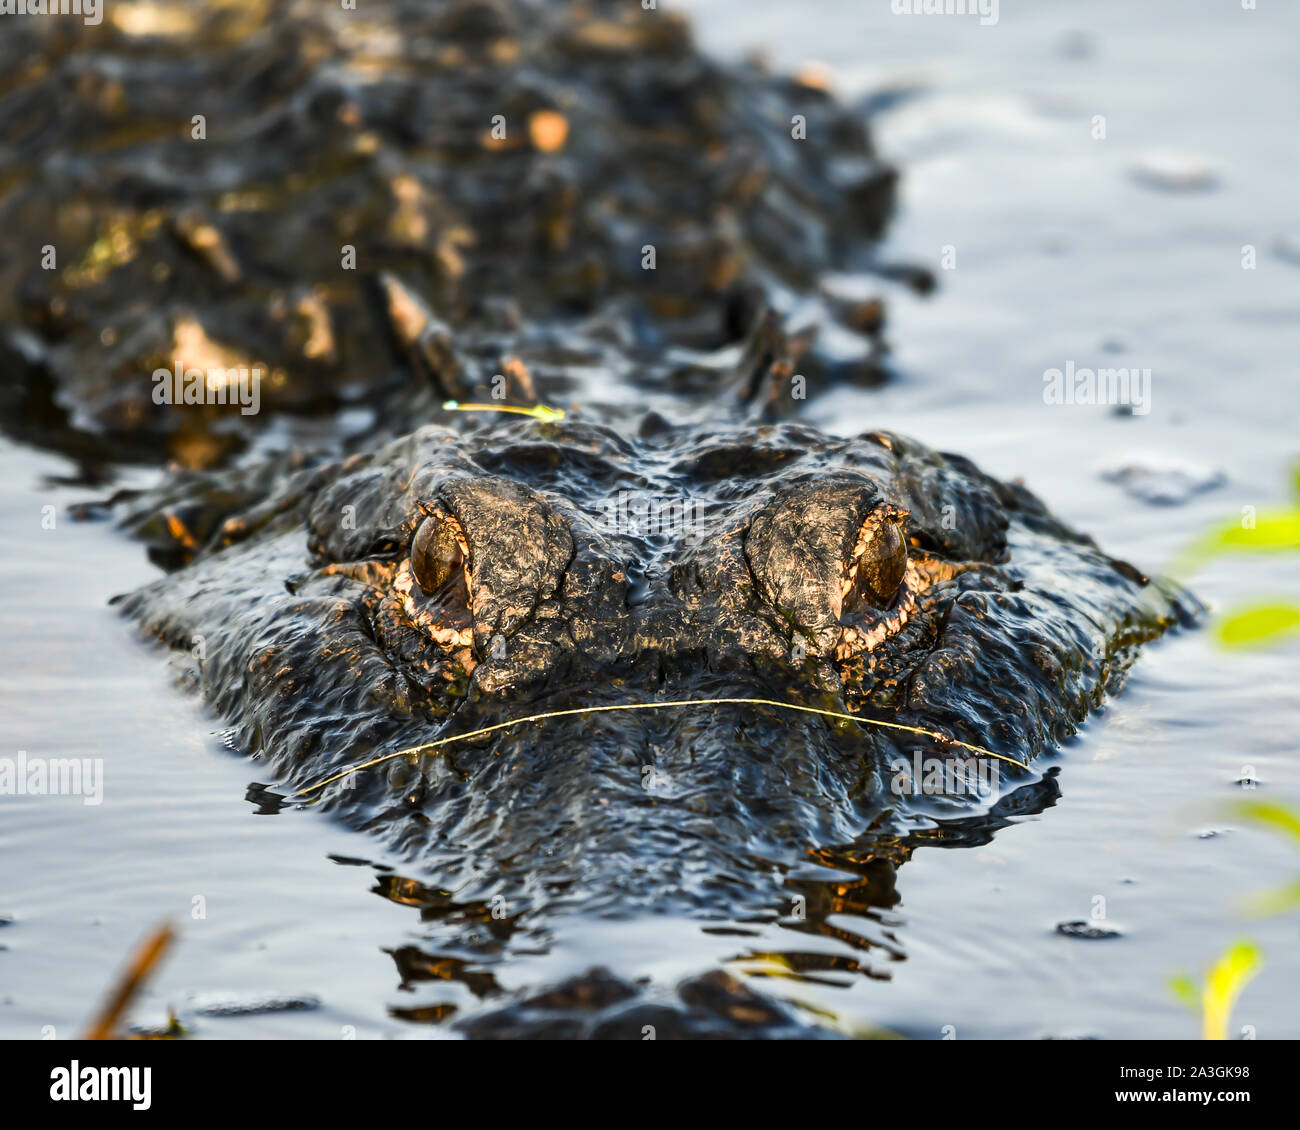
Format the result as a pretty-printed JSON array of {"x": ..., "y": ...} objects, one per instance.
[
  {"x": 437, "y": 553},
  {"x": 877, "y": 569}
]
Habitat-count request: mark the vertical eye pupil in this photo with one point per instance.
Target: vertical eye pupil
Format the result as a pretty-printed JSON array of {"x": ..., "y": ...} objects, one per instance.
[{"x": 436, "y": 556}]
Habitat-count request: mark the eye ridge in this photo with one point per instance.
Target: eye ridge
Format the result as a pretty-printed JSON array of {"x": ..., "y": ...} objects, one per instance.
[{"x": 877, "y": 566}]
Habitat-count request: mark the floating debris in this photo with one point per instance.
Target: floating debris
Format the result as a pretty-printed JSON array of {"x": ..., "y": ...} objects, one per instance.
[
  {"x": 165, "y": 1028},
  {"x": 1172, "y": 171},
  {"x": 241, "y": 1004},
  {"x": 1162, "y": 480},
  {"x": 1092, "y": 931},
  {"x": 133, "y": 977}
]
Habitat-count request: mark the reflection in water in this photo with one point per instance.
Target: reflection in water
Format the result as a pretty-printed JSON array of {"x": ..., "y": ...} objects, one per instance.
[{"x": 466, "y": 943}]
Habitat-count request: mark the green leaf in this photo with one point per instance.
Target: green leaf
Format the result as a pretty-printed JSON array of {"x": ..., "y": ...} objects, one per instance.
[
  {"x": 1184, "y": 988},
  {"x": 1274, "y": 529},
  {"x": 1269, "y": 814},
  {"x": 1271, "y": 531},
  {"x": 1275, "y": 902},
  {"x": 1230, "y": 975},
  {"x": 1257, "y": 624}
]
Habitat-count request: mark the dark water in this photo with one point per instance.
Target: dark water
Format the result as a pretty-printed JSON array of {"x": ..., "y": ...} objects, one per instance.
[{"x": 1062, "y": 254}]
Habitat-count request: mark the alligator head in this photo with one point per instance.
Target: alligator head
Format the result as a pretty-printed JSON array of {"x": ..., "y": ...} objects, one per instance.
[{"x": 456, "y": 580}]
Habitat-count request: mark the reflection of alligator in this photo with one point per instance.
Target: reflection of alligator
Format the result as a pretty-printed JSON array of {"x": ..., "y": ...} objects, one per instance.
[{"x": 385, "y": 592}]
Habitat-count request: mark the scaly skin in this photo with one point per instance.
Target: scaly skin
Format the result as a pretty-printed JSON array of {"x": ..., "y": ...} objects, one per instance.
[
  {"x": 373, "y": 129},
  {"x": 380, "y": 592},
  {"x": 316, "y": 639}
]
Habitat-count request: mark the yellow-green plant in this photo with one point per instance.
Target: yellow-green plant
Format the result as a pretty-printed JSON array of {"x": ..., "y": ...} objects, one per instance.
[
  {"x": 1223, "y": 985},
  {"x": 1273, "y": 531},
  {"x": 1255, "y": 624},
  {"x": 1279, "y": 818},
  {"x": 1248, "y": 625}
]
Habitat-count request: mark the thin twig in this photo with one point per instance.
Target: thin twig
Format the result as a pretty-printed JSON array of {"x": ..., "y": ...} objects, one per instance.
[{"x": 440, "y": 742}]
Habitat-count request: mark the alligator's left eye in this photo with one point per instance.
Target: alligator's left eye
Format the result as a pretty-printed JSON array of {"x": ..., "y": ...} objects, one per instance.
[
  {"x": 877, "y": 568},
  {"x": 437, "y": 553}
]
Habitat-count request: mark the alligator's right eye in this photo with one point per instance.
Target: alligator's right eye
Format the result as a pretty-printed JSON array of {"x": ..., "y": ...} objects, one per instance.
[
  {"x": 878, "y": 567},
  {"x": 438, "y": 553}
]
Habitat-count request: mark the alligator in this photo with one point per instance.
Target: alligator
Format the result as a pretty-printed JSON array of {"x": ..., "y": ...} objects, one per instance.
[
  {"x": 570, "y": 184},
  {"x": 459, "y": 578},
  {"x": 665, "y": 651}
]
